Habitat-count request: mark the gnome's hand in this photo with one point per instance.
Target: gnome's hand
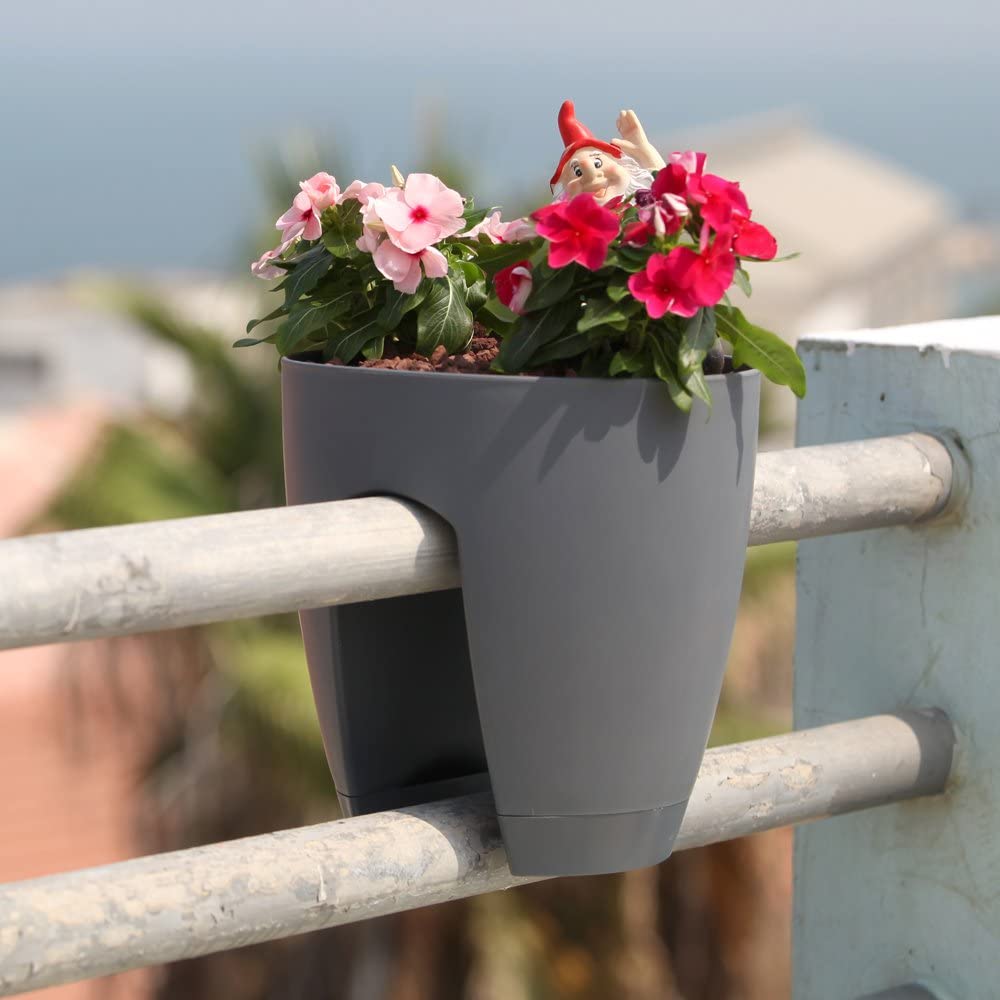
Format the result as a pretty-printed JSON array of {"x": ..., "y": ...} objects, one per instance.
[{"x": 633, "y": 141}]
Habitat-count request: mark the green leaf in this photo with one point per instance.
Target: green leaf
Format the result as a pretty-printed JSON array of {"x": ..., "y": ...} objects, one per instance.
[
  {"x": 618, "y": 287},
  {"x": 742, "y": 280},
  {"x": 696, "y": 385},
  {"x": 443, "y": 318},
  {"x": 495, "y": 315},
  {"x": 253, "y": 341},
  {"x": 350, "y": 343},
  {"x": 629, "y": 259},
  {"x": 398, "y": 304},
  {"x": 761, "y": 349},
  {"x": 549, "y": 285},
  {"x": 471, "y": 271},
  {"x": 601, "y": 312},
  {"x": 476, "y": 295},
  {"x": 569, "y": 345},
  {"x": 277, "y": 314},
  {"x": 375, "y": 349},
  {"x": 664, "y": 370},
  {"x": 473, "y": 216},
  {"x": 753, "y": 260},
  {"x": 496, "y": 308},
  {"x": 474, "y": 280},
  {"x": 309, "y": 268},
  {"x": 533, "y": 332},
  {"x": 631, "y": 362},
  {"x": 341, "y": 228},
  {"x": 493, "y": 257},
  {"x": 306, "y": 318},
  {"x": 697, "y": 337}
]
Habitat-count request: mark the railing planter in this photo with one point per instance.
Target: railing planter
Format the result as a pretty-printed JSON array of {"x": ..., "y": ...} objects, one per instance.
[{"x": 578, "y": 670}]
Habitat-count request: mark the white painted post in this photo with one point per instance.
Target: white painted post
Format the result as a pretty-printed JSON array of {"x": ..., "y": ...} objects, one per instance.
[{"x": 897, "y": 617}]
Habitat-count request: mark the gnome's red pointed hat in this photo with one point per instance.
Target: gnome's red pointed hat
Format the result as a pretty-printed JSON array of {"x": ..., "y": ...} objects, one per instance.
[{"x": 575, "y": 136}]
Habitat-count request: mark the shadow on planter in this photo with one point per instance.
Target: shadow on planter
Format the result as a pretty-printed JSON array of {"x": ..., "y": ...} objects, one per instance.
[{"x": 602, "y": 537}]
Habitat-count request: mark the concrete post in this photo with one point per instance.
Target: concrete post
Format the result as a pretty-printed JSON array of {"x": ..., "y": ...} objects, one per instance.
[{"x": 894, "y": 618}]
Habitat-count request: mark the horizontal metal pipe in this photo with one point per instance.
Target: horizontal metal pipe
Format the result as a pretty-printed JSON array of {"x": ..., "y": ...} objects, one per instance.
[
  {"x": 834, "y": 488},
  {"x": 173, "y": 906},
  {"x": 191, "y": 571}
]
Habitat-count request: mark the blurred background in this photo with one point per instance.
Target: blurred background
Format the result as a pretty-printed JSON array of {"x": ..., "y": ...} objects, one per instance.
[{"x": 145, "y": 151}]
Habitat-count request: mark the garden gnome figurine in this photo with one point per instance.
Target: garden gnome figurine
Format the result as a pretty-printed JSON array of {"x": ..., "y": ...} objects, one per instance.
[{"x": 604, "y": 169}]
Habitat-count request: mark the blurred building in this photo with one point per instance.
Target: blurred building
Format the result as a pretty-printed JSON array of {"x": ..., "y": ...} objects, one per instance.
[
  {"x": 73, "y": 747},
  {"x": 879, "y": 246},
  {"x": 65, "y": 340}
]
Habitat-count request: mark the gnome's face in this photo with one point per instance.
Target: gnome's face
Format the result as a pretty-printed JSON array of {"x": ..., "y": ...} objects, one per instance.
[{"x": 595, "y": 172}]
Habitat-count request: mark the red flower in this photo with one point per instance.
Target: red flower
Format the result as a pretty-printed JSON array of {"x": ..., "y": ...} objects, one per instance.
[
  {"x": 682, "y": 281},
  {"x": 637, "y": 234},
  {"x": 578, "y": 230},
  {"x": 721, "y": 201},
  {"x": 683, "y": 171},
  {"x": 513, "y": 285},
  {"x": 753, "y": 240},
  {"x": 724, "y": 207}
]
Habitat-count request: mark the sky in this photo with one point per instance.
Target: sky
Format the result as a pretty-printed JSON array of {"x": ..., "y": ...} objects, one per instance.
[{"x": 131, "y": 132}]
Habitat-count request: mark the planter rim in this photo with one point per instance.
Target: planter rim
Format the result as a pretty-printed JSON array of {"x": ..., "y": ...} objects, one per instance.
[{"x": 500, "y": 378}]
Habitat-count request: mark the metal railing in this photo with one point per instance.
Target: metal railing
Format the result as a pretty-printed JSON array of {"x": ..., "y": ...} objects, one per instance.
[
  {"x": 192, "y": 571},
  {"x": 187, "y": 903},
  {"x": 137, "y": 578}
]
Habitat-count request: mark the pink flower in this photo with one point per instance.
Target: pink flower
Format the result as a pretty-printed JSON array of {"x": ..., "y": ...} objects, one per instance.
[
  {"x": 301, "y": 219},
  {"x": 490, "y": 227},
  {"x": 682, "y": 281},
  {"x": 519, "y": 230},
  {"x": 263, "y": 268},
  {"x": 368, "y": 241},
  {"x": 360, "y": 191},
  {"x": 754, "y": 240},
  {"x": 498, "y": 231},
  {"x": 322, "y": 190},
  {"x": 403, "y": 269},
  {"x": 423, "y": 212},
  {"x": 579, "y": 230},
  {"x": 400, "y": 267},
  {"x": 513, "y": 285}
]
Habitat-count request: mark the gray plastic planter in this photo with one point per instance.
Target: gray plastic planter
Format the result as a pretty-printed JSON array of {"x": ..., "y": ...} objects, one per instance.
[{"x": 602, "y": 536}]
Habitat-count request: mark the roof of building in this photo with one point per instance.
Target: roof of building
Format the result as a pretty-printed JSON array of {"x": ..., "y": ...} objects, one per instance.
[{"x": 844, "y": 209}]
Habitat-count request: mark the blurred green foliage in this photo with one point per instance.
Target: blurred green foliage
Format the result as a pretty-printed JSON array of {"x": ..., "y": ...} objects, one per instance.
[{"x": 224, "y": 454}]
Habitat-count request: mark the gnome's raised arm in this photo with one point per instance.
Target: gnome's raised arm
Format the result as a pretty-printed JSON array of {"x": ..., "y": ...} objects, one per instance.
[{"x": 634, "y": 143}]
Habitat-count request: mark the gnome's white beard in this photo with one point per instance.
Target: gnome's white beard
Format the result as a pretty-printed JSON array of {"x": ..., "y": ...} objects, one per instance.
[{"x": 639, "y": 178}]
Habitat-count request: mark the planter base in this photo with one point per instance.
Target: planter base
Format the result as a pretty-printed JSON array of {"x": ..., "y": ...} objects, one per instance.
[{"x": 598, "y": 845}]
